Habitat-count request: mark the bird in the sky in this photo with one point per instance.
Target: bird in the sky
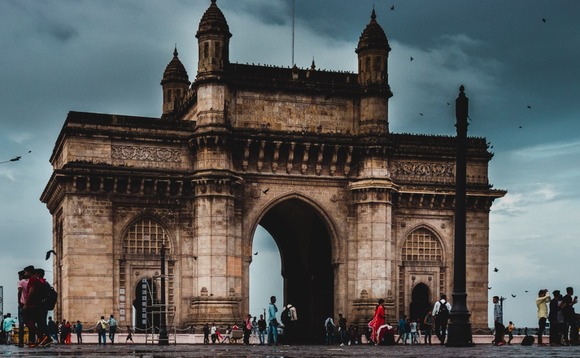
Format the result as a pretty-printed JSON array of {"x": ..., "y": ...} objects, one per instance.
[
  {"x": 265, "y": 191},
  {"x": 543, "y": 19},
  {"x": 255, "y": 253},
  {"x": 526, "y": 291},
  {"x": 449, "y": 104},
  {"x": 411, "y": 59},
  {"x": 489, "y": 288},
  {"x": 529, "y": 106},
  {"x": 421, "y": 114},
  {"x": 48, "y": 254},
  {"x": 513, "y": 295},
  {"x": 393, "y": 8},
  {"x": 495, "y": 269},
  {"x": 520, "y": 127}
]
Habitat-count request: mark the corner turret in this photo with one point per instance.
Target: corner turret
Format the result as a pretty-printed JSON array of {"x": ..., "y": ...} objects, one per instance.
[
  {"x": 175, "y": 84},
  {"x": 213, "y": 37},
  {"x": 373, "y": 52}
]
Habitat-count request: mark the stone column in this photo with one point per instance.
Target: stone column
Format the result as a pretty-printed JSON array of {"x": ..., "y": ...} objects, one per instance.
[{"x": 373, "y": 258}]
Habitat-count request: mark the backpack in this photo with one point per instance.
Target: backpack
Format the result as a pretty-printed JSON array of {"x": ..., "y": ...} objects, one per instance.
[
  {"x": 329, "y": 326},
  {"x": 285, "y": 316},
  {"x": 443, "y": 310},
  {"x": 48, "y": 297}
]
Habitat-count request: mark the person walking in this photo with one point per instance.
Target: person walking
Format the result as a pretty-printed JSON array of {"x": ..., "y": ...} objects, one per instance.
[
  {"x": 130, "y": 335},
  {"x": 499, "y": 328},
  {"x": 206, "y": 333},
  {"x": 329, "y": 327},
  {"x": 7, "y": 327},
  {"x": 261, "y": 329},
  {"x": 377, "y": 321},
  {"x": 101, "y": 328},
  {"x": 79, "y": 331},
  {"x": 342, "y": 330},
  {"x": 401, "y": 325},
  {"x": 112, "y": 328},
  {"x": 441, "y": 311},
  {"x": 542, "y": 303},
  {"x": 556, "y": 319},
  {"x": 510, "y": 329},
  {"x": 427, "y": 327},
  {"x": 570, "y": 320},
  {"x": 247, "y": 329},
  {"x": 272, "y": 322},
  {"x": 52, "y": 328}
]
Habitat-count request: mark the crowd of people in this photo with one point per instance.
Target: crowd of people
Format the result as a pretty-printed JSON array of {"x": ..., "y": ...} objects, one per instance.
[
  {"x": 558, "y": 310},
  {"x": 34, "y": 302}
]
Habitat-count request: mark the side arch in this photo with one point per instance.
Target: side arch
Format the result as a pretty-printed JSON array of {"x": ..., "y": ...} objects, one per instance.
[
  {"x": 139, "y": 246},
  {"x": 422, "y": 271}
]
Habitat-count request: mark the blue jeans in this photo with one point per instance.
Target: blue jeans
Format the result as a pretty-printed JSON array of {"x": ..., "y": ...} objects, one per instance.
[
  {"x": 261, "y": 335},
  {"x": 103, "y": 336},
  {"x": 272, "y": 334}
]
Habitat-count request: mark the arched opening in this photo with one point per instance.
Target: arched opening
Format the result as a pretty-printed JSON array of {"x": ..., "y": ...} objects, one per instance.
[
  {"x": 420, "y": 302},
  {"x": 305, "y": 254},
  {"x": 145, "y": 303}
]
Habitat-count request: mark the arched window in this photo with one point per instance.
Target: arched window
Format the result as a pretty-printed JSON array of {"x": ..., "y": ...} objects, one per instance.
[
  {"x": 145, "y": 236},
  {"x": 422, "y": 245}
]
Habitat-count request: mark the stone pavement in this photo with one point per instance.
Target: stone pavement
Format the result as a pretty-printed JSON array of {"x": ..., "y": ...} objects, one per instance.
[{"x": 256, "y": 351}]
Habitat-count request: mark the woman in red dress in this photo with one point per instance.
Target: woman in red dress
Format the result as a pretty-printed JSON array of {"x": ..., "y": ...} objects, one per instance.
[{"x": 377, "y": 321}]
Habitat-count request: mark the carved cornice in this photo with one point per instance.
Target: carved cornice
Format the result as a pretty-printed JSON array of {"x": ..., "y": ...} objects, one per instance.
[
  {"x": 423, "y": 169},
  {"x": 152, "y": 154}
]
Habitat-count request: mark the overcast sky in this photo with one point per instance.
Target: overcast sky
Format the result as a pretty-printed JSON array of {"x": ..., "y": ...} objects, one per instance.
[{"x": 519, "y": 62}]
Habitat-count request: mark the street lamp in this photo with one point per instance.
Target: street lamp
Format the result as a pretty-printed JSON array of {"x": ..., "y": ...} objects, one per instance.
[
  {"x": 163, "y": 338},
  {"x": 459, "y": 326}
]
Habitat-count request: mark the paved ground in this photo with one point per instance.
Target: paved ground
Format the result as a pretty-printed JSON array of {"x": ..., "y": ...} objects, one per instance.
[{"x": 256, "y": 351}]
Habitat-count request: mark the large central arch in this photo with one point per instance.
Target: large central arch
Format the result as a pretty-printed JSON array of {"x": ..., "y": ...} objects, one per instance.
[{"x": 304, "y": 240}]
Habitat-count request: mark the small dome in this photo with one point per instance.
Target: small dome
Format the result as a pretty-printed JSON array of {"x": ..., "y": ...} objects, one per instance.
[
  {"x": 213, "y": 21},
  {"x": 175, "y": 71},
  {"x": 373, "y": 36}
]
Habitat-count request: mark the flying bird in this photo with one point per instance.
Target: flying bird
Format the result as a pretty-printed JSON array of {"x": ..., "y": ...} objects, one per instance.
[
  {"x": 449, "y": 104},
  {"x": 255, "y": 253},
  {"x": 513, "y": 295},
  {"x": 489, "y": 288},
  {"x": 526, "y": 291},
  {"x": 48, "y": 254},
  {"x": 495, "y": 269},
  {"x": 411, "y": 59},
  {"x": 393, "y": 9},
  {"x": 265, "y": 191},
  {"x": 420, "y": 114},
  {"x": 520, "y": 127},
  {"x": 543, "y": 19},
  {"x": 529, "y": 106}
]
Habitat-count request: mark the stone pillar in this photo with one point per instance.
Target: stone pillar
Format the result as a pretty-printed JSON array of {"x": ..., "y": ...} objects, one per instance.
[
  {"x": 218, "y": 251},
  {"x": 373, "y": 261}
]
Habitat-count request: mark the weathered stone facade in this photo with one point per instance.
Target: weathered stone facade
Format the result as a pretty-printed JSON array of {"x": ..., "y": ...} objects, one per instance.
[{"x": 359, "y": 213}]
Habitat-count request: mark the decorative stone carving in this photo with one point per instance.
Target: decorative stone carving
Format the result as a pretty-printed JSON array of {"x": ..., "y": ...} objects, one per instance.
[
  {"x": 150, "y": 154},
  {"x": 423, "y": 169}
]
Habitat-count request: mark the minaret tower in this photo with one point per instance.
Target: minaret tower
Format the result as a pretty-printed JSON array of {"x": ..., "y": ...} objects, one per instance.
[
  {"x": 175, "y": 84},
  {"x": 373, "y": 190},
  {"x": 217, "y": 282},
  {"x": 373, "y": 52}
]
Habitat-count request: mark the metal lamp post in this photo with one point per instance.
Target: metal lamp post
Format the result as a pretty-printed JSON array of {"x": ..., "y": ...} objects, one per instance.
[
  {"x": 459, "y": 328},
  {"x": 163, "y": 338}
]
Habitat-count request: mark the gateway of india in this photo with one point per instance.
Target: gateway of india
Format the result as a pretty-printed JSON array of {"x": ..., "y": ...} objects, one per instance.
[{"x": 357, "y": 212}]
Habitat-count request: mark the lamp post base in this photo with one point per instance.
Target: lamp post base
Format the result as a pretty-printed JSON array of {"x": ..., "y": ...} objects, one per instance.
[{"x": 459, "y": 335}]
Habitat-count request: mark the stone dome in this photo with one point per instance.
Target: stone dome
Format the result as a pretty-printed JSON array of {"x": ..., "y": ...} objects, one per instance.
[
  {"x": 373, "y": 36},
  {"x": 175, "y": 71},
  {"x": 213, "y": 21}
]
